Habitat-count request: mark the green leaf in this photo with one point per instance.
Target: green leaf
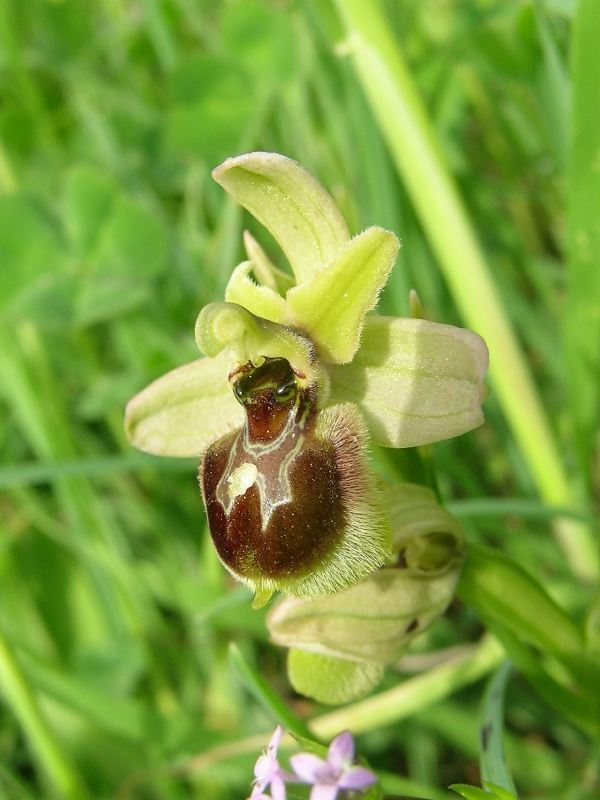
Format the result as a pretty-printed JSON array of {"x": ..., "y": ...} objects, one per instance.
[
  {"x": 470, "y": 792},
  {"x": 30, "y": 249},
  {"x": 491, "y": 727},
  {"x": 582, "y": 308},
  {"x": 331, "y": 680},
  {"x": 266, "y": 696},
  {"x": 291, "y": 203},
  {"x": 89, "y": 196},
  {"x": 499, "y": 588},
  {"x": 183, "y": 412},
  {"x": 212, "y": 103},
  {"x": 331, "y": 305},
  {"x": 416, "y": 381}
]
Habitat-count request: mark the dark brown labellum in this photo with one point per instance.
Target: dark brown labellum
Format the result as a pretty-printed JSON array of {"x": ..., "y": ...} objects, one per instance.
[{"x": 272, "y": 489}]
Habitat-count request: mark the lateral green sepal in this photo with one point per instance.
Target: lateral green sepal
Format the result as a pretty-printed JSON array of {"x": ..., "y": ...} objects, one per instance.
[
  {"x": 331, "y": 680},
  {"x": 184, "y": 411},
  {"x": 417, "y": 382}
]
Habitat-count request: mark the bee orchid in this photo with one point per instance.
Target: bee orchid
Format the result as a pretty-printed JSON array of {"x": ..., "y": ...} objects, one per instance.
[{"x": 297, "y": 379}]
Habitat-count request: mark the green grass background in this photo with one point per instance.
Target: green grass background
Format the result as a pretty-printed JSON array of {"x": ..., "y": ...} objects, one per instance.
[{"x": 115, "y": 611}]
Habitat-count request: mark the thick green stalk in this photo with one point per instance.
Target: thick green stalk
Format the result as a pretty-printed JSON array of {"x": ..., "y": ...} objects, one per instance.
[
  {"x": 56, "y": 766},
  {"x": 403, "y": 120}
]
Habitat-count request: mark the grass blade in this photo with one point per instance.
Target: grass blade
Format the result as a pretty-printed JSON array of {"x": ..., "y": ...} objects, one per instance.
[
  {"x": 265, "y": 695},
  {"x": 582, "y": 309},
  {"x": 404, "y": 123},
  {"x": 491, "y": 728}
]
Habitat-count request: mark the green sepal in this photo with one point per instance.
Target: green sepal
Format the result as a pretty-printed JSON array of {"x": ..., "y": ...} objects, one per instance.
[
  {"x": 331, "y": 680},
  {"x": 184, "y": 411},
  {"x": 262, "y": 301},
  {"x": 331, "y": 306},
  {"x": 291, "y": 203},
  {"x": 417, "y": 382}
]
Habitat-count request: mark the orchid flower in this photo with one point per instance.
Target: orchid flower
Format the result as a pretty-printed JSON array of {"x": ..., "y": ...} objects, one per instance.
[{"x": 297, "y": 380}]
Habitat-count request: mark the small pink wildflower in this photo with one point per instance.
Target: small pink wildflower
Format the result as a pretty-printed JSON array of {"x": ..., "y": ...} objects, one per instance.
[
  {"x": 338, "y": 772},
  {"x": 268, "y": 772}
]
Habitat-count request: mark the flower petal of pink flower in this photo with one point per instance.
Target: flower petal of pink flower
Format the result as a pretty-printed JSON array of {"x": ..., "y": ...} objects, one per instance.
[
  {"x": 357, "y": 778},
  {"x": 324, "y": 792},
  {"x": 308, "y": 767},
  {"x": 341, "y": 751}
]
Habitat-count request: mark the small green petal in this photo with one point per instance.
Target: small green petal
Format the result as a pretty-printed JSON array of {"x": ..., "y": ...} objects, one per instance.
[
  {"x": 186, "y": 410},
  {"x": 417, "y": 382},
  {"x": 331, "y": 306},
  {"x": 260, "y": 300},
  {"x": 266, "y": 272},
  {"x": 331, "y": 680},
  {"x": 291, "y": 204}
]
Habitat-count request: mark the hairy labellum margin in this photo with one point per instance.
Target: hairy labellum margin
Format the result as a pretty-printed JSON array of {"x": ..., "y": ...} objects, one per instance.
[{"x": 290, "y": 497}]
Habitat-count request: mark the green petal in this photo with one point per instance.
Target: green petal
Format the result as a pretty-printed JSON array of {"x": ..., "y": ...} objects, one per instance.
[
  {"x": 291, "y": 204},
  {"x": 183, "y": 412},
  {"x": 332, "y": 305},
  {"x": 331, "y": 680},
  {"x": 416, "y": 381},
  {"x": 260, "y": 300},
  {"x": 266, "y": 272}
]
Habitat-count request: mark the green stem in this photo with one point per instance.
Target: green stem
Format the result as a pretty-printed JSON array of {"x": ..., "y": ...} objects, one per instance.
[
  {"x": 60, "y": 772},
  {"x": 411, "y": 695},
  {"x": 404, "y": 123}
]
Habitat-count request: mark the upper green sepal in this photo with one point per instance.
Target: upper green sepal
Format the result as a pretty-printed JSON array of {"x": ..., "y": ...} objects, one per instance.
[{"x": 291, "y": 203}]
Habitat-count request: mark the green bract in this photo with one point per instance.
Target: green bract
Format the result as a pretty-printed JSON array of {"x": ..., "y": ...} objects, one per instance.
[
  {"x": 298, "y": 376},
  {"x": 341, "y": 644}
]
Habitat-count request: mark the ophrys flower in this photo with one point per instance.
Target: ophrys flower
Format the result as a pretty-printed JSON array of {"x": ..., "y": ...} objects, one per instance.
[{"x": 297, "y": 378}]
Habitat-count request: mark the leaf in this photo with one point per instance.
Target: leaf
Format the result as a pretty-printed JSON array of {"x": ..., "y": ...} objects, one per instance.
[
  {"x": 331, "y": 680},
  {"x": 266, "y": 696},
  {"x": 491, "y": 728}
]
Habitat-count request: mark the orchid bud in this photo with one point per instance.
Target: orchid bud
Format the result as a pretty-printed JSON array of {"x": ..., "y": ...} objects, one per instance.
[{"x": 372, "y": 623}]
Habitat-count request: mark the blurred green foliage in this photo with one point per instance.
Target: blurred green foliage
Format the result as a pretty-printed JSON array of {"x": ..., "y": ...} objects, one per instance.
[{"x": 112, "y": 237}]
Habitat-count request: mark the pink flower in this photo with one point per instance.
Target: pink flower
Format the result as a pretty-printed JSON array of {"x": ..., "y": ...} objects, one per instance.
[
  {"x": 268, "y": 772},
  {"x": 338, "y": 772}
]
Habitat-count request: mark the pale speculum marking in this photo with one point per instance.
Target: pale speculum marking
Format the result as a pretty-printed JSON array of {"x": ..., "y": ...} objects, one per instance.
[{"x": 268, "y": 444}]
